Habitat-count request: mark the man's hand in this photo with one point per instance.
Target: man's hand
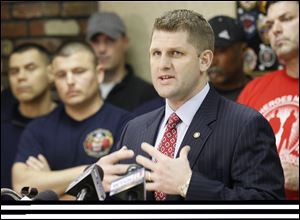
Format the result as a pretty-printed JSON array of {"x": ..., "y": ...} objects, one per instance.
[
  {"x": 111, "y": 169},
  {"x": 38, "y": 164},
  {"x": 167, "y": 174},
  {"x": 291, "y": 176}
]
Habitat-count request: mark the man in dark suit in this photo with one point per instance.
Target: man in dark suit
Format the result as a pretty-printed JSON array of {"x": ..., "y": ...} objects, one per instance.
[{"x": 200, "y": 146}]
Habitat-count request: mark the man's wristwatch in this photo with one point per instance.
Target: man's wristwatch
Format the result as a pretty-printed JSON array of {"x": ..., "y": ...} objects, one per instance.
[{"x": 183, "y": 188}]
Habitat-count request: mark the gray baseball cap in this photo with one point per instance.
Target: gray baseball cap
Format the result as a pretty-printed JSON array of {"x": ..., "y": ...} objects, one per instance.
[{"x": 107, "y": 23}]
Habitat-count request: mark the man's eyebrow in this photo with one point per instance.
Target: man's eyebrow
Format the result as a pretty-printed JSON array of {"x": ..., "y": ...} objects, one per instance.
[{"x": 287, "y": 13}]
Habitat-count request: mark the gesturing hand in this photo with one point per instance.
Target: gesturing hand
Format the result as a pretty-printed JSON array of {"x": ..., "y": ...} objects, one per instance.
[
  {"x": 167, "y": 174},
  {"x": 291, "y": 176},
  {"x": 111, "y": 169}
]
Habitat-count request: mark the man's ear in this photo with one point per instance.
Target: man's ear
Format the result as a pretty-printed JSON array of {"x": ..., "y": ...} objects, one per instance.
[
  {"x": 100, "y": 73},
  {"x": 125, "y": 43},
  {"x": 50, "y": 73},
  {"x": 205, "y": 60}
]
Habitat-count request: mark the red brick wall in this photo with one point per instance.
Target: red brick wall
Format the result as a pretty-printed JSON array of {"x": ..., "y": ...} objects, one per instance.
[{"x": 44, "y": 22}]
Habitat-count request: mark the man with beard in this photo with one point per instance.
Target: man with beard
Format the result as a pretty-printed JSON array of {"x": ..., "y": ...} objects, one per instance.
[{"x": 226, "y": 73}]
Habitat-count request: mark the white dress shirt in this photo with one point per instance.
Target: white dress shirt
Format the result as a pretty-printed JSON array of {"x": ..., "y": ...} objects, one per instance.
[{"x": 186, "y": 113}]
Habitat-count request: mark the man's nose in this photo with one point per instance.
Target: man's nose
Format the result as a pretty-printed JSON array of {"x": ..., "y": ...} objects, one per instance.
[
  {"x": 22, "y": 75},
  {"x": 101, "y": 47},
  {"x": 276, "y": 28},
  {"x": 165, "y": 62},
  {"x": 70, "y": 78}
]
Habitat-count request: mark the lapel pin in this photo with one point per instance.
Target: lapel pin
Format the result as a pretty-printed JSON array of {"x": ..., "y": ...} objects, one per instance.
[{"x": 196, "y": 135}]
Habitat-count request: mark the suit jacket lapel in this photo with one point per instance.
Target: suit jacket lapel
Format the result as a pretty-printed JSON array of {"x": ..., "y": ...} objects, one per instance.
[
  {"x": 149, "y": 131},
  {"x": 149, "y": 135},
  {"x": 206, "y": 114}
]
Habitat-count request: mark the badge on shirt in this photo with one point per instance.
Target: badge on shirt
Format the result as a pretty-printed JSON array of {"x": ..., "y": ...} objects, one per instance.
[
  {"x": 248, "y": 5},
  {"x": 250, "y": 60},
  {"x": 98, "y": 142},
  {"x": 266, "y": 56}
]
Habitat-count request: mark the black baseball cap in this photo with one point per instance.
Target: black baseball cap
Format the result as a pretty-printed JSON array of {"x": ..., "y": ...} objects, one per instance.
[{"x": 227, "y": 31}]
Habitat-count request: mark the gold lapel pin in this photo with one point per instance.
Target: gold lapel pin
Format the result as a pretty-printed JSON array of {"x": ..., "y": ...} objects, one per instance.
[{"x": 196, "y": 135}]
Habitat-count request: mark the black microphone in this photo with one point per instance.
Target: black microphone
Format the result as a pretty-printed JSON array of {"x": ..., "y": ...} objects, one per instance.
[
  {"x": 88, "y": 185},
  {"x": 131, "y": 186},
  {"x": 5, "y": 192},
  {"x": 46, "y": 195}
]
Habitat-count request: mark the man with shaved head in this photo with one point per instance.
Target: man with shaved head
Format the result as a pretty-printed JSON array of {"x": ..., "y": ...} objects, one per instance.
[{"x": 56, "y": 148}]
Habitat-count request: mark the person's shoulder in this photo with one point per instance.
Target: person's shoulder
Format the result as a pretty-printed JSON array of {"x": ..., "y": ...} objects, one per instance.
[
  {"x": 264, "y": 79},
  {"x": 109, "y": 108},
  {"x": 48, "y": 119},
  {"x": 237, "y": 109},
  {"x": 147, "y": 117}
]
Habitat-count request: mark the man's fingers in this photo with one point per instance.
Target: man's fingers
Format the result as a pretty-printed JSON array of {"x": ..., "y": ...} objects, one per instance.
[
  {"x": 145, "y": 162},
  {"x": 119, "y": 169},
  {"x": 42, "y": 159},
  {"x": 119, "y": 155},
  {"x": 34, "y": 162},
  {"x": 151, "y": 186},
  {"x": 184, "y": 151},
  {"x": 149, "y": 149}
]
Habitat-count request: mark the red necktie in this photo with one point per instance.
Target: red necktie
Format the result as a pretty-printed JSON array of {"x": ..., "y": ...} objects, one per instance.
[{"x": 168, "y": 144}]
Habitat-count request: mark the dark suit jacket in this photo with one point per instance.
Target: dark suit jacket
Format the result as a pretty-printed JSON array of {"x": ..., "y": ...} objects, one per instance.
[{"x": 235, "y": 157}]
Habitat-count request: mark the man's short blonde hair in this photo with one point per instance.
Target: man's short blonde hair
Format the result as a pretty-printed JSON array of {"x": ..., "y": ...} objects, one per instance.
[{"x": 199, "y": 31}]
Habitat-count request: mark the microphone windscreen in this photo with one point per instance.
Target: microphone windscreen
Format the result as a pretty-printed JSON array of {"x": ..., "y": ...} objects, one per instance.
[{"x": 46, "y": 196}]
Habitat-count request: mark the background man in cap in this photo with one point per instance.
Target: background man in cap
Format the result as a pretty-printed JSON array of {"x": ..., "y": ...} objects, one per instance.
[
  {"x": 226, "y": 73},
  {"x": 276, "y": 94},
  {"x": 106, "y": 33}
]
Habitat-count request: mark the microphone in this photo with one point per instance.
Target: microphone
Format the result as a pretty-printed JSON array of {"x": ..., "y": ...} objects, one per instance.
[
  {"x": 46, "y": 195},
  {"x": 10, "y": 193},
  {"x": 88, "y": 185},
  {"x": 131, "y": 186}
]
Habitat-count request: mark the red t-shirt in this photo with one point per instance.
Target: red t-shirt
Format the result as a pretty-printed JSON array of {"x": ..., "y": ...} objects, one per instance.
[{"x": 276, "y": 96}]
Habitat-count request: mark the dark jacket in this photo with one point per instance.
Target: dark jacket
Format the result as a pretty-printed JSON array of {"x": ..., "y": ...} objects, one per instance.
[
  {"x": 235, "y": 157},
  {"x": 131, "y": 92}
]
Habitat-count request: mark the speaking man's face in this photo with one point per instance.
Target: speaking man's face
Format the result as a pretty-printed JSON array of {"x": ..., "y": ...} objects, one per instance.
[{"x": 175, "y": 66}]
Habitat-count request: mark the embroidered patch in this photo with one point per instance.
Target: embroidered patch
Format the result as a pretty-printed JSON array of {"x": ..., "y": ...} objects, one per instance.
[{"x": 98, "y": 143}]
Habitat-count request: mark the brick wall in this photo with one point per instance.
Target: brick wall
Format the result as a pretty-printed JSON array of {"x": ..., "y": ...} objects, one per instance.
[{"x": 44, "y": 22}]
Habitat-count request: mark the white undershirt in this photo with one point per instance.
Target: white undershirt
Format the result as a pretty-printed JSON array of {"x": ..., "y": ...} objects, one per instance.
[
  {"x": 186, "y": 113},
  {"x": 105, "y": 88}
]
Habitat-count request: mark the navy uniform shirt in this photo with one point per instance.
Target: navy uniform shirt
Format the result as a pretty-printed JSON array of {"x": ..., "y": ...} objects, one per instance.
[
  {"x": 12, "y": 126},
  {"x": 67, "y": 143}
]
